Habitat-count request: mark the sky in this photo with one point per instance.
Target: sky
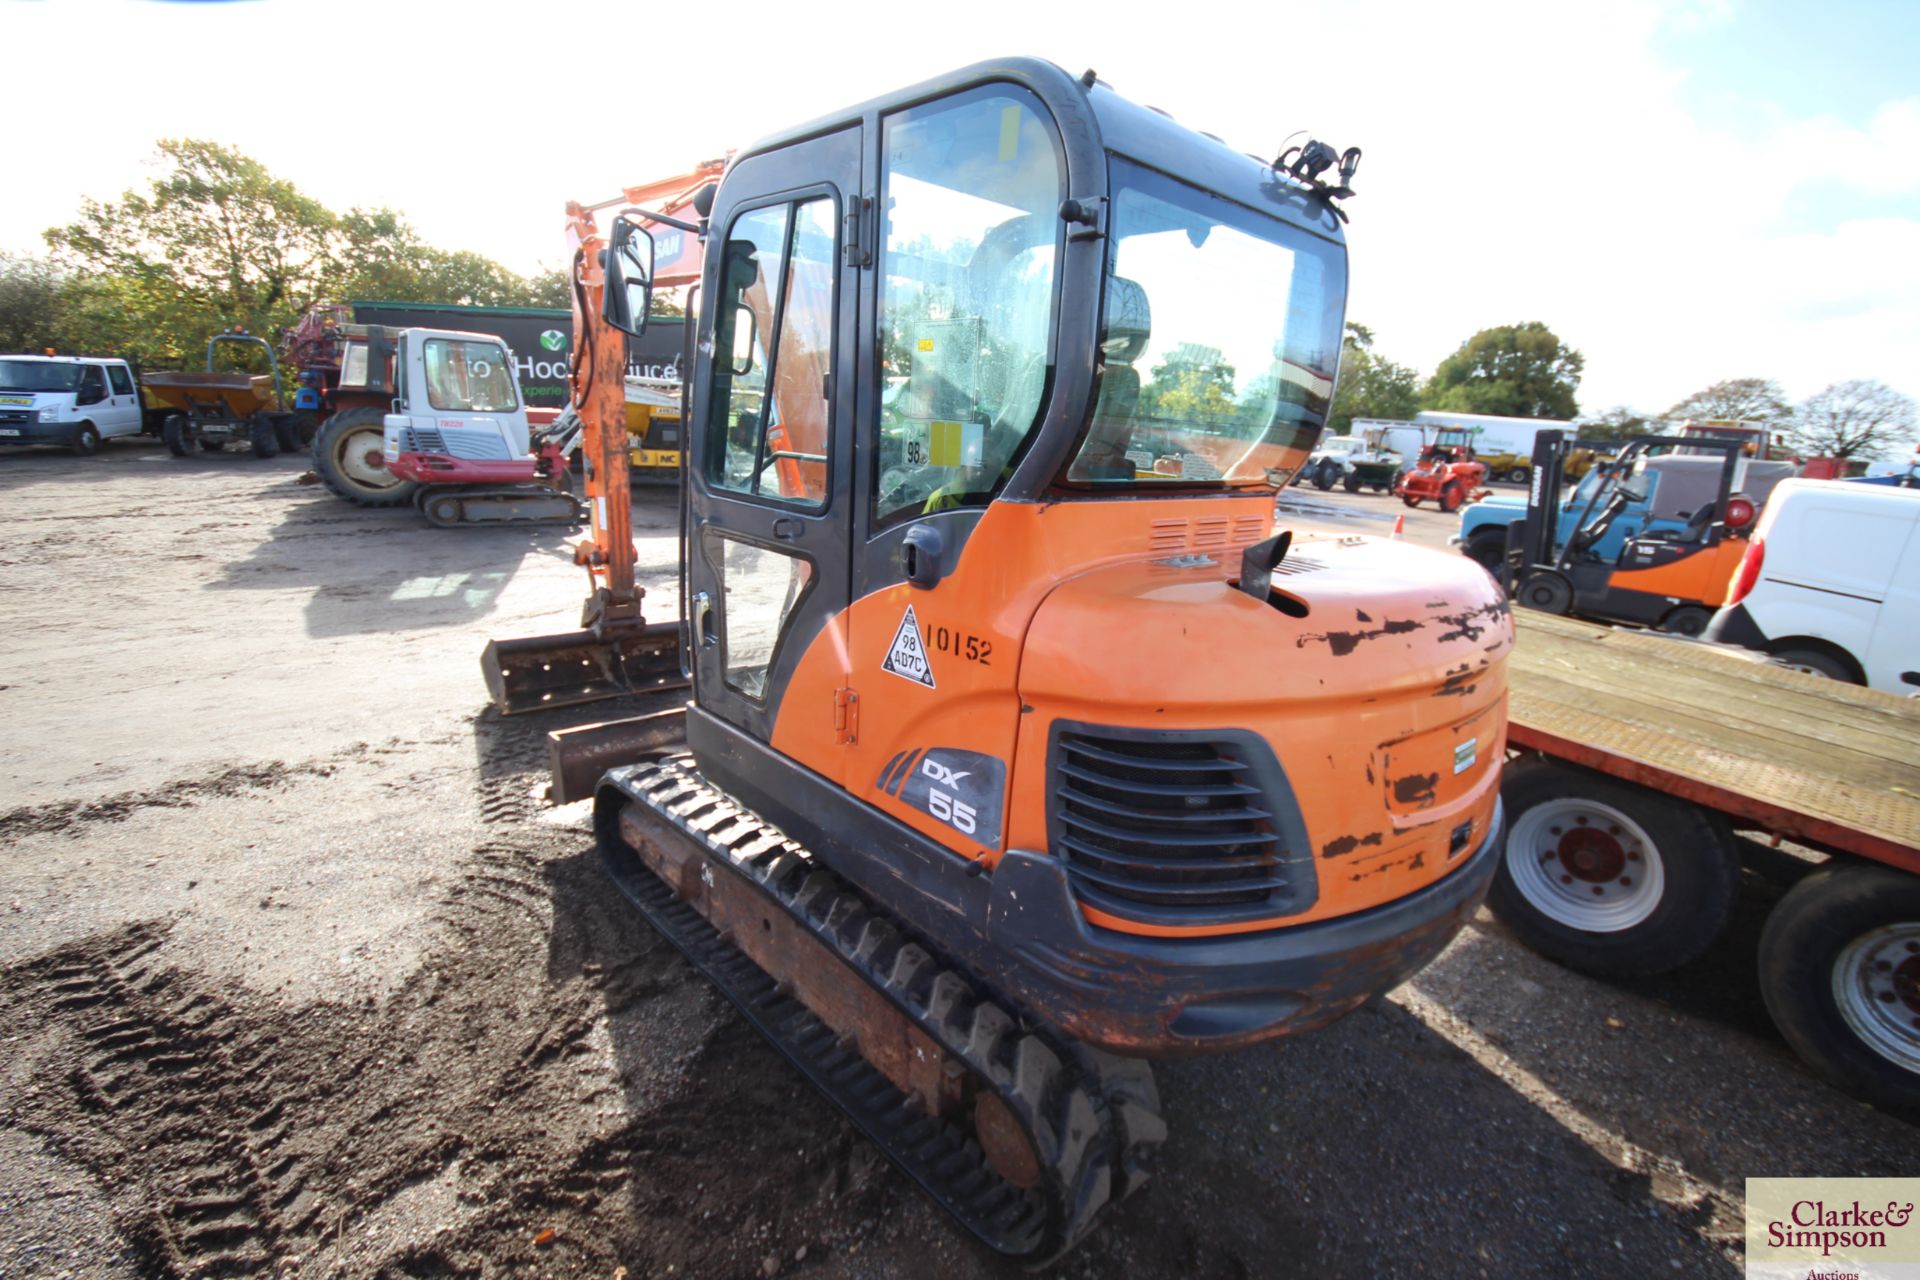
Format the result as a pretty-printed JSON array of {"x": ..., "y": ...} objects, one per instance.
[{"x": 1685, "y": 192}]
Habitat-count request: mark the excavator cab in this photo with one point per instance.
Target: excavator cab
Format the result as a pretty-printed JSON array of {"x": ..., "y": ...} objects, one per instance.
[{"x": 1021, "y": 746}]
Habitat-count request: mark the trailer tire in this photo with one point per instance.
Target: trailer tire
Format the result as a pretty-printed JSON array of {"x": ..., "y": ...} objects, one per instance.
[
  {"x": 177, "y": 434},
  {"x": 340, "y": 453},
  {"x": 1351, "y": 482},
  {"x": 263, "y": 436},
  {"x": 1646, "y": 892},
  {"x": 1840, "y": 972}
]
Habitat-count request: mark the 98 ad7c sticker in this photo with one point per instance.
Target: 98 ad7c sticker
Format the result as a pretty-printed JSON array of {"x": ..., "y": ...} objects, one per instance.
[
  {"x": 907, "y": 655},
  {"x": 963, "y": 789}
]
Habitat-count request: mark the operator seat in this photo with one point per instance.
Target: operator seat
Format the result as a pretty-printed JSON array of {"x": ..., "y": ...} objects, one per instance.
[{"x": 1129, "y": 325}]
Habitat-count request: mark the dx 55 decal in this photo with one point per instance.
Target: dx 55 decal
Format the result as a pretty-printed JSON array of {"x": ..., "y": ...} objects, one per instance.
[{"x": 963, "y": 789}]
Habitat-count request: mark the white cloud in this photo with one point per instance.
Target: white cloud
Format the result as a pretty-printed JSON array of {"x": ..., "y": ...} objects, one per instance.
[{"x": 1523, "y": 160}]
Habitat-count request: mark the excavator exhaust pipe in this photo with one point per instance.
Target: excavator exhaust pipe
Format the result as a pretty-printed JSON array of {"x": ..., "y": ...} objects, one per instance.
[{"x": 538, "y": 672}]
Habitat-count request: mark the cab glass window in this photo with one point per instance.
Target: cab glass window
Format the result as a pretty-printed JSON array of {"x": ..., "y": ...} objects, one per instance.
[
  {"x": 1219, "y": 340},
  {"x": 773, "y": 354},
  {"x": 971, "y": 226},
  {"x": 93, "y": 384},
  {"x": 122, "y": 380},
  {"x": 468, "y": 377}
]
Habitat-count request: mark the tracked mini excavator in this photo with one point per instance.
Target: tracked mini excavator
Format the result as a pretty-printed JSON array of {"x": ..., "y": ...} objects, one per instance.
[{"x": 1010, "y": 764}]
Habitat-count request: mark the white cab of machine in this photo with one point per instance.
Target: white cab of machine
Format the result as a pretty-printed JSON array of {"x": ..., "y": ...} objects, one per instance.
[
  {"x": 1833, "y": 570},
  {"x": 45, "y": 399},
  {"x": 457, "y": 396}
]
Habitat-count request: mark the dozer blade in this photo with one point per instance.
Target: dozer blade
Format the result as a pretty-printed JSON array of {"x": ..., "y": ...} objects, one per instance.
[{"x": 538, "y": 672}]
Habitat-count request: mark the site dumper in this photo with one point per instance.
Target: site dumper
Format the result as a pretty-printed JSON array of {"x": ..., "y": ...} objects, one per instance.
[
  {"x": 210, "y": 410},
  {"x": 1009, "y": 764}
]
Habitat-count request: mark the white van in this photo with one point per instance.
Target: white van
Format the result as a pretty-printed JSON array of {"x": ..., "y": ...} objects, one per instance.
[
  {"x": 71, "y": 401},
  {"x": 1831, "y": 583}
]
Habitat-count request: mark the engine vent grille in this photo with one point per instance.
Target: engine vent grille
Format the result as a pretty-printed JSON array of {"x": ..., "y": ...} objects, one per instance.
[{"x": 1176, "y": 827}]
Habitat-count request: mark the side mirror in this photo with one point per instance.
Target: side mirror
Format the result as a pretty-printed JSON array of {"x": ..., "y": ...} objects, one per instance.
[{"x": 629, "y": 270}]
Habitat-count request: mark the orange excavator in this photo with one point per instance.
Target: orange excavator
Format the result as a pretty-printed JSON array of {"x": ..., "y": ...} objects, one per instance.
[
  {"x": 1011, "y": 763},
  {"x": 616, "y": 651}
]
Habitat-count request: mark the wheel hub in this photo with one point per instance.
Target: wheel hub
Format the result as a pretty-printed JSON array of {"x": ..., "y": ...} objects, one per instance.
[
  {"x": 364, "y": 461},
  {"x": 1586, "y": 865},
  {"x": 1876, "y": 986},
  {"x": 1592, "y": 855}
]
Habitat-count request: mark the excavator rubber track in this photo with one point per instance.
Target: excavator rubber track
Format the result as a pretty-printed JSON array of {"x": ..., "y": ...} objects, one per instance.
[
  {"x": 1022, "y": 1136},
  {"x": 454, "y": 506}
]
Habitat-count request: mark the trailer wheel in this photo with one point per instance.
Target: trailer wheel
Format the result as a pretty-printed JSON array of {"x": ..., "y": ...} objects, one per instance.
[
  {"x": 347, "y": 454},
  {"x": 1840, "y": 972},
  {"x": 177, "y": 433},
  {"x": 1608, "y": 878},
  {"x": 1453, "y": 496},
  {"x": 263, "y": 436},
  {"x": 1351, "y": 482}
]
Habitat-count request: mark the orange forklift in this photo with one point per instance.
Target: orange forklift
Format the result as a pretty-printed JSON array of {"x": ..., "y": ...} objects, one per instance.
[
  {"x": 1010, "y": 764},
  {"x": 1669, "y": 575}
]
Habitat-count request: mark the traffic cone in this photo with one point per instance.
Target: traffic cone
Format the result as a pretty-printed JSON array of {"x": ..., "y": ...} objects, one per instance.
[{"x": 1399, "y": 525}]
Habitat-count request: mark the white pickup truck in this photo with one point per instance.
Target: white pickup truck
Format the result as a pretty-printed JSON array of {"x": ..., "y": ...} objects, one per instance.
[{"x": 74, "y": 402}]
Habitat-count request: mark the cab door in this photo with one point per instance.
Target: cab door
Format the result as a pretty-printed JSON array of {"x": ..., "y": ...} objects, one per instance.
[
  {"x": 769, "y": 469},
  {"x": 122, "y": 416}
]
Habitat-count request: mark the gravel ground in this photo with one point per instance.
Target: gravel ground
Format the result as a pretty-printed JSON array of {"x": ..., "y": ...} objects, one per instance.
[{"x": 302, "y": 977}]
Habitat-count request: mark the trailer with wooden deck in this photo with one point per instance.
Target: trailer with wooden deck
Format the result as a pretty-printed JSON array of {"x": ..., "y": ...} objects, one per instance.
[{"x": 1639, "y": 759}]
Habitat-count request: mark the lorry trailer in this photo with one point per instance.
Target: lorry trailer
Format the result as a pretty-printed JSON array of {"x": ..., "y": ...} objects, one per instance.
[{"x": 1638, "y": 758}]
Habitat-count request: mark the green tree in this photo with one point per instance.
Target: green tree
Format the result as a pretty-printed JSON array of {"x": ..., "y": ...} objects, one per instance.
[
  {"x": 29, "y": 303},
  {"x": 216, "y": 241},
  {"x": 1517, "y": 370},
  {"x": 1194, "y": 384},
  {"x": 1618, "y": 423},
  {"x": 1370, "y": 385},
  {"x": 1738, "y": 400},
  {"x": 1856, "y": 419}
]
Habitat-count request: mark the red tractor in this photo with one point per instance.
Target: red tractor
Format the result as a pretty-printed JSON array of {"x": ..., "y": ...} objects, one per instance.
[{"x": 1445, "y": 473}]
